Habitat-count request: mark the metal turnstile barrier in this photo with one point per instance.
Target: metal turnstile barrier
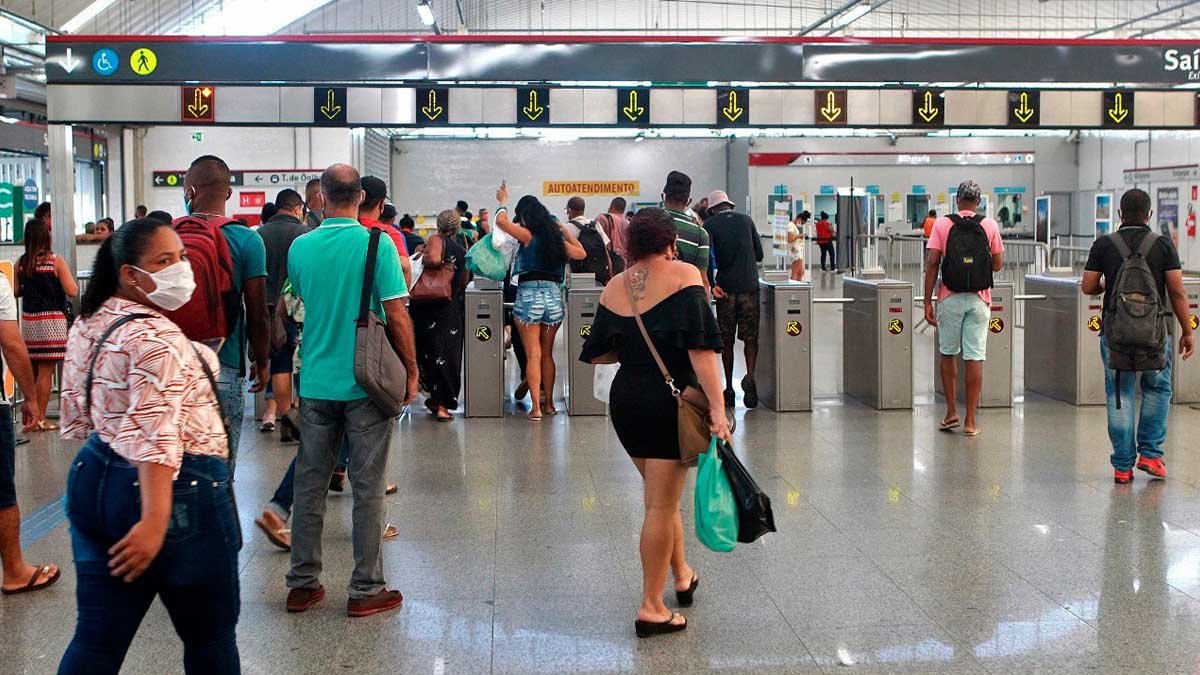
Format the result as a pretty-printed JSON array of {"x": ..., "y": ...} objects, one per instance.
[
  {"x": 784, "y": 370},
  {"x": 1062, "y": 334},
  {"x": 1186, "y": 374},
  {"x": 877, "y": 366},
  {"x": 483, "y": 362},
  {"x": 583, "y": 299},
  {"x": 997, "y": 389}
]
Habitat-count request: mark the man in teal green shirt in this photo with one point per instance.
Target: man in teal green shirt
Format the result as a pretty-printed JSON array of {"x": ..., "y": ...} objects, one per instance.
[{"x": 326, "y": 267}]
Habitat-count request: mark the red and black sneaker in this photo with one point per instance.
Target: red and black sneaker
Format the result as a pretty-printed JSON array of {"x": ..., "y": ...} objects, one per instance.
[
  {"x": 1122, "y": 477},
  {"x": 1153, "y": 466}
]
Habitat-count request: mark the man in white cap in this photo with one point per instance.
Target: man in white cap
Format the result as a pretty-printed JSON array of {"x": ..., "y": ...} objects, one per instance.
[
  {"x": 964, "y": 250},
  {"x": 737, "y": 250}
]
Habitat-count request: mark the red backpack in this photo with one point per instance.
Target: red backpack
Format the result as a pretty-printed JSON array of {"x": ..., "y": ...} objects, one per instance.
[{"x": 214, "y": 308}]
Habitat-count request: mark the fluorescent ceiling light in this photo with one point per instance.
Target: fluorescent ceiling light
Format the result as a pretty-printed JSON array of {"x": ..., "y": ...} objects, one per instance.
[
  {"x": 853, "y": 14},
  {"x": 426, "y": 13},
  {"x": 76, "y": 22}
]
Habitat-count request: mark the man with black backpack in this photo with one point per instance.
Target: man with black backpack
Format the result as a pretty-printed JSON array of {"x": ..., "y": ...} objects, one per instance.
[
  {"x": 593, "y": 240},
  {"x": 1138, "y": 271},
  {"x": 965, "y": 249}
]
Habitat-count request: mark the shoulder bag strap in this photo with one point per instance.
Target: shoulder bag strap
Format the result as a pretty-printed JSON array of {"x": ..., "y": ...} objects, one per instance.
[
  {"x": 364, "y": 304},
  {"x": 637, "y": 316},
  {"x": 1148, "y": 242},
  {"x": 212, "y": 381},
  {"x": 1121, "y": 245},
  {"x": 91, "y": 373}
]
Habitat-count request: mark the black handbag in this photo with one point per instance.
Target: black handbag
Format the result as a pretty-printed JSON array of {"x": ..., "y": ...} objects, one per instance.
[{"x": 755, "y": 517}]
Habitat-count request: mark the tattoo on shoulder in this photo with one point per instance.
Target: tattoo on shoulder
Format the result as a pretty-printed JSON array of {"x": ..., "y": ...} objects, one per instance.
[{"x": 637, "y": 279}]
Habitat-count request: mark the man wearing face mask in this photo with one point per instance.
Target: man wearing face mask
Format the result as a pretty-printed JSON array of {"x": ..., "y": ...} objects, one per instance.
[{"x": 206, "y": 189}]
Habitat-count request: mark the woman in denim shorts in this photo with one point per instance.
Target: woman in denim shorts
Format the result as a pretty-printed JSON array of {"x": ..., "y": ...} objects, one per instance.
[{"x": 538, "y": 310}]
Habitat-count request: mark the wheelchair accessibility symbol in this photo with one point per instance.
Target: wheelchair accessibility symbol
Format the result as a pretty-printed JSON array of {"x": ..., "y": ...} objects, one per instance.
[
  {"x": 105, "y": 62},
  {"x": 483, "y": 333}
]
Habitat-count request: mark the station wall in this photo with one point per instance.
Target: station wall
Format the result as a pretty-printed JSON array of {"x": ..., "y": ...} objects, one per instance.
[
  {"x": 431, "y": 175},
  {"x": 1053, "y": 170},
  {"x": 243, "y": 148}
]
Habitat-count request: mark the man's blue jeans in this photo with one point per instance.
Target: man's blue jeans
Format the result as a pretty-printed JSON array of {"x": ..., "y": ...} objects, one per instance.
[
  {"x": 1132, "y": 432},
  {"x": 195, "y": 574},
  {"x": 231, "y": 394}
]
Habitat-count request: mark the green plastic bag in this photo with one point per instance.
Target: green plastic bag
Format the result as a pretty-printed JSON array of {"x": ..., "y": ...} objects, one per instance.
[
  {"x": 716, "y": 509},
  {"x": 485, "y": 261}
]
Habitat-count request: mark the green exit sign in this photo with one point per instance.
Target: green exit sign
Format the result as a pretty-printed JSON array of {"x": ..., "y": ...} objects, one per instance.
[{"x": 198, "y": 136}]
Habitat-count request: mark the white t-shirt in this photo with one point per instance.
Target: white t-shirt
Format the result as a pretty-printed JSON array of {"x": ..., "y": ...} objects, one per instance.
[{"x": 574, "y": 224}]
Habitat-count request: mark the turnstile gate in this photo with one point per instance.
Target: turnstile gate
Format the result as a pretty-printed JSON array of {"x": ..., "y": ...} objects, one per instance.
[
  {"x": 877, "y": 366},
  {"x": 997, "y": 389},
  {"x": 784, "y": 370},
  {"x": 1062, "y": 341},
  {"x": 483, "y": 362},
  {"x": 1186, "y": 374},
  {"x": 583, "y": 299}
]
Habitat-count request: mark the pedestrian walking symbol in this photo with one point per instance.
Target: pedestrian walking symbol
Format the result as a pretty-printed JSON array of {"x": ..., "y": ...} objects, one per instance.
[
  {"x": 483, "y": 333},
  {"x": 143, "y": 61}
]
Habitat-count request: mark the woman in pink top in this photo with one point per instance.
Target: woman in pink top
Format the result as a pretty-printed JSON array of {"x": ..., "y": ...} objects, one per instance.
[{"x": 148, "y": 497}]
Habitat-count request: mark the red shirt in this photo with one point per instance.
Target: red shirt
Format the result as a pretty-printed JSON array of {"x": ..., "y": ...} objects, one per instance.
[
  {"x": 397, "y": 237},
  {"x": 824, "y": 232}
]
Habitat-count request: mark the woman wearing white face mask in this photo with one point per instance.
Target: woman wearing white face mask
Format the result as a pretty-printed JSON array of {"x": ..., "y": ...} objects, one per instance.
[{"x": 148, "y": 497}]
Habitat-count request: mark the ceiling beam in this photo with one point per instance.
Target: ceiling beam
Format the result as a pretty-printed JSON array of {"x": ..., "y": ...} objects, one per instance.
[
  {"x": 1151, "y": 15},
  {"x": 828, "y": 17},
  {"x": 1167, "y": 26},
  {"x": 874, "y": 6}
]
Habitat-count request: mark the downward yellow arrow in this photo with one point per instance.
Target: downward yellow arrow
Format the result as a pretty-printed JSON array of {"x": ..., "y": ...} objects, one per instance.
[
  {"x": 331, "y": 109},
  {"x": 831, "y": 112},
  {"x": 1118, "y": 112},
  {"x": 1023, "y": 112},
  {"x": 633, "y": 111},
  {"x": 732, "y": 110},
  {"x": 532, "y": 110},
  {"x": 432, "y": 110},
  {"x": 198, "y": 108},
  {"x": 928, "y": 112}
]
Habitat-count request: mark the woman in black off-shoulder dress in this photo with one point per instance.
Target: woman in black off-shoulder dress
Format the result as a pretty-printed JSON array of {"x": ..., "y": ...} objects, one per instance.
[{"x": 675, "y": 310}]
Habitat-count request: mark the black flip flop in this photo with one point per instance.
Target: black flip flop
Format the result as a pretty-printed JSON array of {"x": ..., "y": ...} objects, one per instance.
[
  {"x": 33, "y": 584},
  {"x": 686, "y": 598},
  {"x": 647, "y": 629}
]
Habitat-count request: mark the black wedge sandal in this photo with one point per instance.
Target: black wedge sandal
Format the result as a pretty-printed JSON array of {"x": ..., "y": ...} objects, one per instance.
[{"x": 686, "y": 598}]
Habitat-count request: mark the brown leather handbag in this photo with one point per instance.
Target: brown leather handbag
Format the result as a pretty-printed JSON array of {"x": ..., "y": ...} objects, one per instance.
[
  {"x": 692, "y": 418},
  {"x": 436, "y": 284}
]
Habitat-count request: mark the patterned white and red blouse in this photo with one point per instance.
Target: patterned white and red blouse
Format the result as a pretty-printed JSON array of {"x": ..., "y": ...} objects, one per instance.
[{"x": 151, "y": 400}]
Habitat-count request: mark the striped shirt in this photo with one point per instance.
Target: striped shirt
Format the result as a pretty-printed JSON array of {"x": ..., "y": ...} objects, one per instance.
[{"x": 691, "y": 241}]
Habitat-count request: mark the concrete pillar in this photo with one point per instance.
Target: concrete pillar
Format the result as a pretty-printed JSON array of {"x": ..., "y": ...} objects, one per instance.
[
  {"x": 60, "y": 143},
  {"x": 131, "y": 183}
]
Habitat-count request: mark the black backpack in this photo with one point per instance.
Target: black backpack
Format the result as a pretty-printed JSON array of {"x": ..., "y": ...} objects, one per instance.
[
  {"x": 1135, "y": 318},
  {"x": 597, "y": 260},
  {"x": 967, "y": 261}
]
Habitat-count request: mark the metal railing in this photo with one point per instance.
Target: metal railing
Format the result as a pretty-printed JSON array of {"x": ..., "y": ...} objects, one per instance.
[
  {"x": 1069, "y": 256},
  {"x": 902, "y": 257}
]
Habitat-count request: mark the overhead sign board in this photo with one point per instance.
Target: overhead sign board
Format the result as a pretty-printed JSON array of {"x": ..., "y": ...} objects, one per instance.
[
  {"x": 329, "y": 106},
  {"x": 590, "y": 188},
  {"x": 282, "y": 177},
  {"x": 174, "y": 179},
  {"x": 198, "y": 104},
  {"x": 929, "y": 108},
  {"x": 1166, "y": 174},
  {"x": 374, "y": 59},
  {"x": 733, "y": 107},
  {"x": 831, "y": 107},
  {"x": 1024, "y": 108}
]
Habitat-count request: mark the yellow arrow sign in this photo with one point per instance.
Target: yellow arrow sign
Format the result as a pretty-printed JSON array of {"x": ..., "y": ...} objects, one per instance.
[
  {"x": 830, "y": 111},
  {"x": 198, "y": 108},
  {"x": 331, "y": 109},
  {"x": 1023, "y": 111},
  {"x": 532, "y": 110},
  {"x": 732, "y": 110},
  {"x": 1118, "y": 112},
  {"x": 432, "y": 110},
  {"x": 927, "y": 111},
  {"x": 632, "y": 110}
]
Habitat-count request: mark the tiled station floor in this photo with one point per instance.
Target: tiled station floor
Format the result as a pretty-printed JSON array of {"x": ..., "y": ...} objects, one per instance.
[{"x": 900, "y": 550}]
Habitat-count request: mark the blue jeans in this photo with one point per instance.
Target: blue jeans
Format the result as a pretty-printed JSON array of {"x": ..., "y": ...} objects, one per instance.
[
  {"x": 1133, "y": 433},
  {"x": 195, "y": 573},
  {"x": 231, "y": 393},
  {"x": 281, "y": 501},
  {"x": 368, "y": 431}
]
